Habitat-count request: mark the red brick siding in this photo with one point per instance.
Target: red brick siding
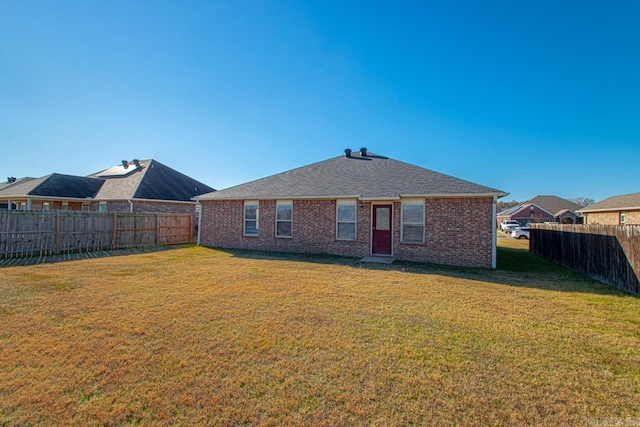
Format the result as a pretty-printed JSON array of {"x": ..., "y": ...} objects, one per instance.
[{"x": 458, "y": 231}]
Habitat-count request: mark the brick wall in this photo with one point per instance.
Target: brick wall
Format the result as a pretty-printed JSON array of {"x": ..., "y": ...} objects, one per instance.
[
  {"x": 613, "y": 218},
  {"x": 603, "y": 218},
  {"x": 458, "y": 231}
]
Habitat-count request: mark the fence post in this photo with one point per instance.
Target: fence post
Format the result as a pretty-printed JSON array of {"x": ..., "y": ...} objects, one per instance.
[
  {"x": 57, "y": 232},
  {"x": 114, "y": 237}
]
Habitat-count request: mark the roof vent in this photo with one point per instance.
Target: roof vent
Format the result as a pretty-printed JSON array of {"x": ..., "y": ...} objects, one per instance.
[
  {"x": 136, "y": 162},
  {"x": 125, "y": 164},
  {"x": 363, "y": 151},
  {"x": 11, "y": 179},
  {"x": 347, "y": 152}
]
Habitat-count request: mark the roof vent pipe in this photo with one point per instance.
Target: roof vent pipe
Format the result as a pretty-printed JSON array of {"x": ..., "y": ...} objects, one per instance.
[
  {"x": 11, "y": 179},
  {"x": 347, "y": 152},
  {"x": 363, "y": 152},
  {"x": 136, "y": 162},
  {"x": 125, "y": 164}
]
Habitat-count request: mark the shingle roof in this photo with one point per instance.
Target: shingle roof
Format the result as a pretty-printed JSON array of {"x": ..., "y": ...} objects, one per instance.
[
  {"x": 21, "y": 187},
  {"x": 624, "y": 201},
  {"x": 553, "y": 204},
  {"x": 152, "y": 180},
  {"x": 371, "y": 176},
  {"x": 54, "y": 185}
]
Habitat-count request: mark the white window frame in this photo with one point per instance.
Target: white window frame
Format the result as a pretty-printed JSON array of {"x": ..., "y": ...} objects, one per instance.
[
  {"x": 102, "y": 207},
  {"x": 65, "y": 206},
  {"x": 46, "y": 206},
  {"x": 244, "y": 218},
  {"x": 284, "y": 203},
  {"x": 412, "y": 202},
  {"x": 354, "y": 204},
  {"x": 85, "y": 207},
  {"x": 623, "y": 218}
]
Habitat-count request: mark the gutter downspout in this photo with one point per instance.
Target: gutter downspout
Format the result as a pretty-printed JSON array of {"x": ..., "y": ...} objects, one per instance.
[
  {"x": 493, "y": 233},
  {"x": 9, "y": 203},
  {"x": 199, "y": 222},
  {"x": 130, "y": 205}
]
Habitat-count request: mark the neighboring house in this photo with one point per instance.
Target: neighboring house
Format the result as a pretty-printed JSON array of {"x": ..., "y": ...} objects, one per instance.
[
  {"x": 543, "y": 209},
  {"x": 616, "y": 210},
  {"x": 137, "y": 186},
  {"x": 359, "y": 204},
  {"x": 146, "y": 186},
  {"x": 55, "y": 191}
]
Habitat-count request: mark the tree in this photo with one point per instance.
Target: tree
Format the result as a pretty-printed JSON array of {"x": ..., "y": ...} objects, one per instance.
[{"x": 583, "y": 201}]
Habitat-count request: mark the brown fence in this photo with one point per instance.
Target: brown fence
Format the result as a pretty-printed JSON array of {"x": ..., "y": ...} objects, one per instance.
[
  {"x": 608, "y": 253},
  {"x": 42, "y": 232}
]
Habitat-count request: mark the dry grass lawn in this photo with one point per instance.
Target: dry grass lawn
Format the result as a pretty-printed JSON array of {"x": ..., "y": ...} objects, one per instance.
[{"x": 201, "y": 336}]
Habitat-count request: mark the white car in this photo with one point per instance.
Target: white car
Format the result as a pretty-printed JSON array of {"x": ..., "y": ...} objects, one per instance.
[
  {"x": 508, "y": 224},
  {"x": 520, "y": 233}
]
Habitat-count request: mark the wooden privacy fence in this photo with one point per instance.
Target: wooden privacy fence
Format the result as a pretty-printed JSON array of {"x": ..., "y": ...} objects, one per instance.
[
  {"x": 42, "y": 232},
  {"x": 608, "y": 253}
]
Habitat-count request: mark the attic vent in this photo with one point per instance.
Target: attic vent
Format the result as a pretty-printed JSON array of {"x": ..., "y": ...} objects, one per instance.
[
  {"x": 347, "y": 152},
  {"x": 363, "y": 152},
  {"x": 125, "y": 163},
  {"x": 136, "y": 162},
  {"x": 11, "y": 179}
]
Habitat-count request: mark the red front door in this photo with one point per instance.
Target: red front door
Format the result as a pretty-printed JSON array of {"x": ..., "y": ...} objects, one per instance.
[{"x": 381, "y": 230}]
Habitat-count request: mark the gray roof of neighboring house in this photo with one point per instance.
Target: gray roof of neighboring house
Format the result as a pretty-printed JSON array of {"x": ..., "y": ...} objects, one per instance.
[
  {"x": 552, "y": 204},
  {"x": 150, "y": 180},
  {"x": 615, "y": 203},
  {"x": 371, "y": 176},
  {"x": 54, "y": 185}
]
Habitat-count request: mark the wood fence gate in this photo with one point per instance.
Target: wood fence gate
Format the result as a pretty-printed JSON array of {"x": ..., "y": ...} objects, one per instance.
[{"x": 28, "y": 233}]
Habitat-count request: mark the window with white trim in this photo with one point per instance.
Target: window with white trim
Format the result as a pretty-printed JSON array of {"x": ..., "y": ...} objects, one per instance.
[
  {"x": 412, "y": 221},
  {"x": 284, "y": 218},
  {"x": 623, "y": 218},
  {"x": 65, "y": 206},
  {"x": 85, "y": 207},
  {"x": 251, "y": 212},
  {"x": 346, "y": 219},
  {"x": 46, "y": 206},
  {"x": 102, "y": 207}
]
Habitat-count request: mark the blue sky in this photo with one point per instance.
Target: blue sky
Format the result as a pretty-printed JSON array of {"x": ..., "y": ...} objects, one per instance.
[{"x": 528, "y": 97}]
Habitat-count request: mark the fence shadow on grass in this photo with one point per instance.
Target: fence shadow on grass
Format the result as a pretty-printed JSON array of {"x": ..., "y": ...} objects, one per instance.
[
  {"x": 82, "y": 255},
  {"x": 516, "y": 267}
]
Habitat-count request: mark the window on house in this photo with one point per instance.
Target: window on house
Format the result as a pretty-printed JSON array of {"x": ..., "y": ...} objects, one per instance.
[
  {"x": 102, "y": 207},
  {"x": 346, "y": 219},
  {"x": 65, "y": 206},
  {"x": 46, "y": 206},
  {"x": 412, "y": 227},
  {"x": 623, "y": 218},
  {"x": 251, "y": 211},
  {"x": 284, "y": 218},
  {"x": 23, "y": 206},
  {"x": 85, "y": 207}
]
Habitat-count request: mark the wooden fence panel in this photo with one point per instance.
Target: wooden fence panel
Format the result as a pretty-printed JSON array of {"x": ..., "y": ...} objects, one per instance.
[
  {"x": 608, "y": 253},
  {"x": 174, "y": 229},
  {"x": 28, "y": 233}
]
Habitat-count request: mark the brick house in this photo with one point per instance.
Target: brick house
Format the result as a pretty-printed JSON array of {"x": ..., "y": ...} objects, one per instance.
[
  {"x": 359, "y": 204},
  {"x": 616, "y": 210},
  {"x": 543, "y": 209},
  {"x": 136, "y": 186}
]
